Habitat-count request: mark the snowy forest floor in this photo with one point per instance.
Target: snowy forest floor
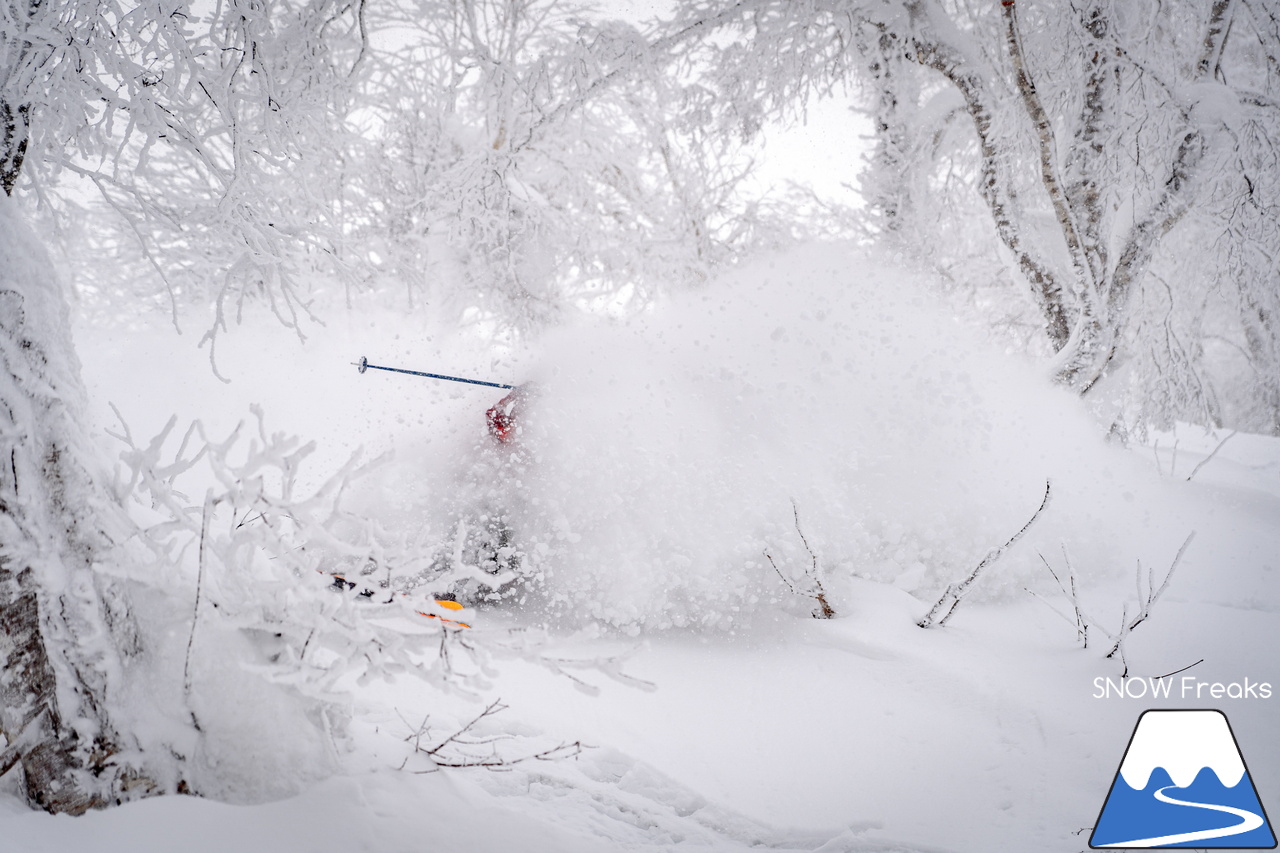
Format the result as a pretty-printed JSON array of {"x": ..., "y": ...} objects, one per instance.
[{"x": 862, "y": 733}]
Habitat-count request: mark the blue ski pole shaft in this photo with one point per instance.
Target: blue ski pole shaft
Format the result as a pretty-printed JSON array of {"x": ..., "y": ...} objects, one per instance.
[{"x": 363, "y": 364}]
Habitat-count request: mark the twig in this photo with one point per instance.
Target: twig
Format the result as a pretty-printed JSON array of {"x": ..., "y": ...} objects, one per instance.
[
  {"x": 195, "y": 613},
  {"x": 1205, "y": 460},
  {"x": 497, "y": 762},
  {"x": 956, "y": 592},
  {"x": 1082, "y": 623},
  {"x": 813, "y": 572},
  {"x": 1146, "y": 600},
  {"x": 493, "y": 761},
  {"x": 786, "y": 580},
  {"x": 495, "y": 707},
  {"x": 1184, "y": 669},
  {"x": 415, "y": 734},
  {"x": 1151, "y": 596}
]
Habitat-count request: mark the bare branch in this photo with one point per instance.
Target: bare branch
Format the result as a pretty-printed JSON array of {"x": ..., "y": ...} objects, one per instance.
[
  {"x": 442, "y": 758},
  {"x": 956, "y": 592},
  {"x": 1183, "y": 669},
  {"x": 1205, "y": 461},
  {"x": 1146, "y": 602},
  {"x": 813, "y": 573},
  {"x": 1081, "y": 623},
  {"x": 195, "y": 610}
]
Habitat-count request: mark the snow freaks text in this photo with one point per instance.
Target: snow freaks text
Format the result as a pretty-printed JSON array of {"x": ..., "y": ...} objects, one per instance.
[{"x": 1187, "y": 687}]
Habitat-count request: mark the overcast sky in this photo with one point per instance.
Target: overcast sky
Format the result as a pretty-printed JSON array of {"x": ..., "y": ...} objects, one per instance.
[{"x": 826, "y": 152}]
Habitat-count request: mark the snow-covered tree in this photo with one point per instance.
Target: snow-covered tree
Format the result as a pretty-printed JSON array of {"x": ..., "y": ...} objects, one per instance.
[
  {"x": 529, "y": 159},
  {"x": 221, "y": 144},
  {"x": 154, "y": 106},
  {"x": 1117, "y": 154},
  {"x": 63, "y": 629},
  {"x": 214, "y": 141},
  {"x": 493, "y": 159}
]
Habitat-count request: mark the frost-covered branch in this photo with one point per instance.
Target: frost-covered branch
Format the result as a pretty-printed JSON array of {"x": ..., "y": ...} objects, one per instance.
[
  {"x": 955, "y": 593},
  {"x": 1205, "y": 461},
  {"x": 1147, "y": 597},
  {"x": 463, "y": 749},
  {"x": 812, "y": 586},
  {"x": 264, "y": 551},
  {"x": 1071, "y": 592}
]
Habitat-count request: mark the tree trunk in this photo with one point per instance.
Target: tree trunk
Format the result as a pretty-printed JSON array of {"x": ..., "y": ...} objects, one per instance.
[
  {"x": 57, "y": 643},
  {"x": 16, "y": 59},
  {"x": 884, "y": 183},
  {"x": 13, "y": 142},
  {"x": 46, "y": 748},
  {"x": 995, "y": 185}
]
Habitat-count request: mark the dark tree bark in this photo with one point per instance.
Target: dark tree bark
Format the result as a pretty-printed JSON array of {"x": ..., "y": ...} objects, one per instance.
[
  {"x": 41, "y": 743},
  {"x": 14, "y": 122},
  {"x": 58, "y": 646},
  {"x": 15, "y": 109}
]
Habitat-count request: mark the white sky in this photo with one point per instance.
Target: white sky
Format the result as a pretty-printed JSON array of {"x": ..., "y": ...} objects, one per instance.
[{"x": 826, "y": 153}]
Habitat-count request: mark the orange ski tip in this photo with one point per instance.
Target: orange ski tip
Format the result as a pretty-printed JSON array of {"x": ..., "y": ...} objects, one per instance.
[
  {"x": 448, "y": 605},
  {"x": 444, "y": 619}
]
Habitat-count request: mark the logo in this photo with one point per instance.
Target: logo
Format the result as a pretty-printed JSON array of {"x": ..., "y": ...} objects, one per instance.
[{"x": 1183, "y": 783}]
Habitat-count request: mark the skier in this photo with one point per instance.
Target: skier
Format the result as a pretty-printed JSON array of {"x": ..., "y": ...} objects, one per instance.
[
  {"x": 482, "y": 535},
  {"x": 505, "y": 416}
]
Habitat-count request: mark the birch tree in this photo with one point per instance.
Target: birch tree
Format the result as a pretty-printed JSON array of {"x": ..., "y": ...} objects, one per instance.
[{"x": 1115, "y": 154}]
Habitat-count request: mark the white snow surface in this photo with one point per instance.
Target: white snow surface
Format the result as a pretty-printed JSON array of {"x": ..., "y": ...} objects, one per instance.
[
  {"x": 1183, "y": 743},
  {"x": 666, "y": 454}
]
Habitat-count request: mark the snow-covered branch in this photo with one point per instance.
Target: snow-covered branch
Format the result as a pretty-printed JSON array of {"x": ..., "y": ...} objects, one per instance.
[{"x": 955, "y": 593}]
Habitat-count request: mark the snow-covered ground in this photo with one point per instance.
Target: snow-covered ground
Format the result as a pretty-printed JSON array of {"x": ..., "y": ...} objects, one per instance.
[{"x": 670, "y": 448}]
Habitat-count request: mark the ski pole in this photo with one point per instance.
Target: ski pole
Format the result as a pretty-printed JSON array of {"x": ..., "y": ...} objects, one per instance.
[{"x": 363, "y": 364}]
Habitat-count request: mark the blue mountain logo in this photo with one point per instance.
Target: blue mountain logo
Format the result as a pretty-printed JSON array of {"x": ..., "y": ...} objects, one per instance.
[{"x": 1183, "y": 783}]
